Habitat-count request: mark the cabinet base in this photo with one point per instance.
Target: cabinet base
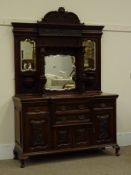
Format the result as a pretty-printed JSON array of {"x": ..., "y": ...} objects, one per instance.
[{"x": 24, "y": 157}]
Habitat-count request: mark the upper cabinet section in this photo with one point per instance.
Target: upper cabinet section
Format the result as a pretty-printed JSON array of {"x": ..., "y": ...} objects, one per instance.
[{"x": 58, "y": 54}]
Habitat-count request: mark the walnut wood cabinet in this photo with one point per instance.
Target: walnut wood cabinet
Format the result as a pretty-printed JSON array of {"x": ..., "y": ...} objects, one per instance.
[{"x": 59, "y": 113}]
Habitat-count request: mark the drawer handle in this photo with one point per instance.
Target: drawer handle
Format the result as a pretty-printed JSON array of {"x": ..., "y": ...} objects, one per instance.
[
  {"x": 81, "y": 117},
  {"x": 37, "y": 112},
  {"x": 61, "y": 119},
  {"x": 103, "y": 105},
  {"x": 81, "y": 107},
  {"x": 63, "y": 108}
]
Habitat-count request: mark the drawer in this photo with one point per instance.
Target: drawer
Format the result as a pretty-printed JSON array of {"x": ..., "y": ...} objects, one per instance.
[
  {"x": 73, "y": 118},
  {"x": 103, "y": 104},
  {"x": 72, "y": 105},
  {"x": 36, "y": 110}
]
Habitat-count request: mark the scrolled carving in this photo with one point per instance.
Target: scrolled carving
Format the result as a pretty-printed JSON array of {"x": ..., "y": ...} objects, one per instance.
[
  {"x": 37, "y": 131},
  {"x": 80, "y": 135},
  {"x": 42, "y": 71},
  {"x": 63, "y": 136},
  {"x": 60, "y": 16},
  {"x": 103, "y": 132}
]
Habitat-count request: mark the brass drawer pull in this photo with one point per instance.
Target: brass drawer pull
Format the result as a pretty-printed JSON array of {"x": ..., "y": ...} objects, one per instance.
[
  {"x": 81, "y": 107},
  {"x": 81, "y": 117},
  {"x": 63, "y": 108},
  {"x": 102, "y": 105}
]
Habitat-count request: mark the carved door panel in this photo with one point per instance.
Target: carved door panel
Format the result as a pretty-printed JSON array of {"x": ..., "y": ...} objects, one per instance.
[
  {"x": 36, "y": 132},
  {"x": 104, "y": 127},
  {"x": 82, "y": 135},
  {"x": 63, "y": 137}
]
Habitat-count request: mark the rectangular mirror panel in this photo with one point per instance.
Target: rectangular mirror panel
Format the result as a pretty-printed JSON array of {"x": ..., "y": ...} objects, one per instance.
[
  {"x": 89, "y": 54},
  {"x": 28, "y": 55},
  {"x": 59, "y": 72}
]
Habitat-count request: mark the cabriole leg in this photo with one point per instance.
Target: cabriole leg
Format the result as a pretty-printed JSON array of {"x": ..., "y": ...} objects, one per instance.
[
  {"x": 117, "y": 149},
  {"x": 22, "y": 161}
]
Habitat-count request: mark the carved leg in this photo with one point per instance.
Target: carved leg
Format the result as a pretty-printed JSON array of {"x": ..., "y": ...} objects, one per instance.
[
  {"x": 117, "y": 148},
  {"x": 22, "y": 165},
  {"x": 22, "y": 161}
]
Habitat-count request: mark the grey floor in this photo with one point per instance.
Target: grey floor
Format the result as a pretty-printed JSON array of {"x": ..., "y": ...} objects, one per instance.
[{"x": 94, "y": 162}]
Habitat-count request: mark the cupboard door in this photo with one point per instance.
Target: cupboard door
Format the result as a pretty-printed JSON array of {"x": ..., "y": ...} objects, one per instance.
[
  {"x": 63, "y": 137},
  {"x": 82, "y": 135},
  {"x": 36, "y": 134},
  {"x": 104, "y": 127}
]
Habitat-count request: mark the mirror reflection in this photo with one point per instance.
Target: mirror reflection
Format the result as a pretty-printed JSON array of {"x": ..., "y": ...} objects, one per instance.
[
  {"x": 89, "y": 54},
  {"x": 28, "y": 55},
  {"x": 59, "y": 71}
]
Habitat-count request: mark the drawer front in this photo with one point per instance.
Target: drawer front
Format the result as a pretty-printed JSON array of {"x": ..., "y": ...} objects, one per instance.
[
  {"x": 72, "y": 118},
  {"x": 36, "y": 110},
  {"x": 72, "y": 111},
  {"x": 65, "y": 107},
  {"x": 103, "y": 104},
  {"x": 71, "y": 105}
]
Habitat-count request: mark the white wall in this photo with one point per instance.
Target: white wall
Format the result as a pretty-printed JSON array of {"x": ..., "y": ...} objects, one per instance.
[
  {"x": 116, "y": 55},
  {"x": 90, "y": 11},
  {"x": 116, "y": 73}
]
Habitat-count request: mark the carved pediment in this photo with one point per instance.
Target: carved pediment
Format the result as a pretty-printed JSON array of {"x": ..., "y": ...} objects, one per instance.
[{"x": 60, "y": 17}]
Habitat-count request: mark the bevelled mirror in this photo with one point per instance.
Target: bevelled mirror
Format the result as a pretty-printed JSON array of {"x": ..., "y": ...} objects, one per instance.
[
  {"x": 28, "y": 55},
  {"x": 59, "y": 72},
  {"x": 89, "y": 54}
]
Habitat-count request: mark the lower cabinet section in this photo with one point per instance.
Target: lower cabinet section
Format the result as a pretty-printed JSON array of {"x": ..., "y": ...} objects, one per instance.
[
  {"x": 61, "y": 124},
  {"x": 72, "y": 136}
]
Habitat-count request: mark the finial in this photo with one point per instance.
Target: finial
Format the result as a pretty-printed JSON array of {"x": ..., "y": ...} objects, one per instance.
[{"x": 61, "y": 9}]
